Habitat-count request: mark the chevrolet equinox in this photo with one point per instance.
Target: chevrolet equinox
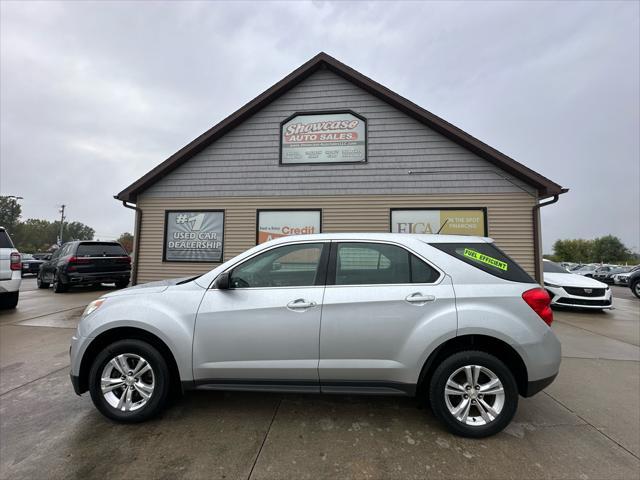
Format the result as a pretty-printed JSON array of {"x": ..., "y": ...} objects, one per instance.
[{"x": 449, "y": 319}]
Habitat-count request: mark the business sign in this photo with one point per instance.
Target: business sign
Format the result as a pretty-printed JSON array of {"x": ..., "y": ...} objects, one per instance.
[
  {"x": 324, "y": 138},
  {"x": 280, "y": 223},
  {"x": 447, "y": 222},
  {"x": 193, "y": 236}
]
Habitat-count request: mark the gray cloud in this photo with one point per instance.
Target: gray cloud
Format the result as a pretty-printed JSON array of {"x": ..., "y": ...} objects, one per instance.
[{"x": 94, "y": 94}]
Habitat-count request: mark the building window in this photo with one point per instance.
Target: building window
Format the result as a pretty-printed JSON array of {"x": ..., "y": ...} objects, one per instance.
[
  {"x": 193, "y": 236},
  {"x": 446, "y": 221},
  {"x": 283, "y": 223}
]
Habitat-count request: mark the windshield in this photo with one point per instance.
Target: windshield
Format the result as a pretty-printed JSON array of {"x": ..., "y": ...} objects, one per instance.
[{"x": 550, "y": 267}]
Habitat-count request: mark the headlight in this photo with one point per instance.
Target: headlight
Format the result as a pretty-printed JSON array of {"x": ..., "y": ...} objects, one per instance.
[
  {"x": 93, "y": 306},
  {"x": 546, "y": 284}
]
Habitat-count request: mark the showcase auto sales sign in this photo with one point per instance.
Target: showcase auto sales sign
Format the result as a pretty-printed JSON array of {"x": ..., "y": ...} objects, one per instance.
[{"x": 324, "y": 138}]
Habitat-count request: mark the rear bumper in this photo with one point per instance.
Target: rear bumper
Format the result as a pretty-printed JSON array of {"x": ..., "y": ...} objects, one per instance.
[
  {"x": 75, "y": 381},
  {"x": 538, "y": 385},
  {"x": 12, "y": 284},
  {"x": 76, "y": 278}
]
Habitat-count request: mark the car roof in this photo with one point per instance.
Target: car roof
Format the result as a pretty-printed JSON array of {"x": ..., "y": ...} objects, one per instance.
[{"x": 393, "y": 237}]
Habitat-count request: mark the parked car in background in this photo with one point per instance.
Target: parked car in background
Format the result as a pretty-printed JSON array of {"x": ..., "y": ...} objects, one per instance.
[
  {"x": 392, "y": 323},
  {"x": 585, "y": 270},
  {"x": 30, "y": 265},
  {"x": 574, "y": 291},
  {"x": 634, "y": 282},
  {"x": 10, "y": 271},
  {"x": 623, "y": 278},
  {"x": 86, "y": 263},
  {"x": 606, "y": 274}
]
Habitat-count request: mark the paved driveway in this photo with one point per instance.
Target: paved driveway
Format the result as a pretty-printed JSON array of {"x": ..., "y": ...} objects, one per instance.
[{"x": 586, "y": 425}]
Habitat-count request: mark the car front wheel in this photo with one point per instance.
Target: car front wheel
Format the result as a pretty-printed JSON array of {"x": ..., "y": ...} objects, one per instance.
[
  {"x": 474, "y": 394},
  {"x": 635, "y": 288},
  {"x": 129, "y": 381}
]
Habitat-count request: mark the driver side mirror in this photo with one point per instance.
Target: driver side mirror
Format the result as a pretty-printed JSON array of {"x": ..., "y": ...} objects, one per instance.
[{"x": 222, "y": 282}]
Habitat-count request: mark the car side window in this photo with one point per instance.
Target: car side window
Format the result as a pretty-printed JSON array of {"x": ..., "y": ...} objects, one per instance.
[
  {"x": 287, "y": 266},
  {"x": 378, "y": 263}
]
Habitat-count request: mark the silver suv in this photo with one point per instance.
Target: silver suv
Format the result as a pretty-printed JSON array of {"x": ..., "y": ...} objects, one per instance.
[
  {"x": 10, "y": 271},
  {"x": 449, "y": 319}
]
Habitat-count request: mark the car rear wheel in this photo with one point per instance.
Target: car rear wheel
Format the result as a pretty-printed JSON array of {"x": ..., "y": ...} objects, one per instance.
[
  {"x": 474, "y": 394},
  {"x": 9, "y": 300},
  {"x": 58, "y": 285},
  {"x": 40, "y": 282},
  {"x": 129, "y": 381}
]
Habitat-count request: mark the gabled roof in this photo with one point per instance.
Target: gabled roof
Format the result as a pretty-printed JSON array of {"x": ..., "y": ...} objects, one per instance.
[{"x": 545, "y": 187}]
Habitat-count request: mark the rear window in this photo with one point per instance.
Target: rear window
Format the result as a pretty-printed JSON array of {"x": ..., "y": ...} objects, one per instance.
[
  {"x": 100, "y": 250},
  {"x": 488, "y": 258},
  {"x": 5, "y": 240}
]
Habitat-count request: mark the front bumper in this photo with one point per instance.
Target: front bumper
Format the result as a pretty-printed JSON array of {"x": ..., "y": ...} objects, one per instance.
[
  {"x": 561, "y": 298},
  {"x": 538, "y": 385}
]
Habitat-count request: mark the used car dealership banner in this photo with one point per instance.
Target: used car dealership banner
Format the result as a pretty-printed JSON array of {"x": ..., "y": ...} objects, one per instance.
[
  {"x": 193, "y": 236},
  {"x": 324, "y": 138},
  {"x": 447, "y": 222},
  {"x": 274, "y": 224}
]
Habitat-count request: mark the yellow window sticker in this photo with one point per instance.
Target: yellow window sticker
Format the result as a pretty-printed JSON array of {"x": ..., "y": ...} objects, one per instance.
[{"x": 481, "y": 257}]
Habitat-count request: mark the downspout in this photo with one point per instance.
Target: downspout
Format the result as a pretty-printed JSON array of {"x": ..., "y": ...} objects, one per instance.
[
  {"x": 136, "y": 239},
  {"x": 536, "y": 233}
]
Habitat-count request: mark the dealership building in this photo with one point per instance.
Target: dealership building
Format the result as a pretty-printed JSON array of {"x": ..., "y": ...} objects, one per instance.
[{"x": 327, "y": 149}]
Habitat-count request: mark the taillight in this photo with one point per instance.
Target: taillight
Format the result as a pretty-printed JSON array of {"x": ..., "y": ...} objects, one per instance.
[
  {"x": 538, "y": 299},
  {"x": 79, "y": 260},
  {"x": 15, "y": 261}
]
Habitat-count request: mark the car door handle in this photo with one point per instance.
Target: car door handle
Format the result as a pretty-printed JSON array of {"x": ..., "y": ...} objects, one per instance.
[
  {"x": 300, "y": 304},
  {"x": 419, "y": 298}
]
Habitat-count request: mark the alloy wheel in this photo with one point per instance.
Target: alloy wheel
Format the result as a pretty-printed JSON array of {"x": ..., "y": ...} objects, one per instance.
[
  {"x": 127, "y": 382},
  {"x": 474, "y": 395}
]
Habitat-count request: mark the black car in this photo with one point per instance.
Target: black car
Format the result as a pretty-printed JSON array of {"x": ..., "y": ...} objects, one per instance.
[
  {"x": 634, "y": 283},
  {"x": 86, "y": 263},
  {"x": 30, "y": 264}
]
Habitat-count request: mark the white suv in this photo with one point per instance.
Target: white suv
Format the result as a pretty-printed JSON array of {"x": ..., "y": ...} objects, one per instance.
[{"x": 10, "y": 271}]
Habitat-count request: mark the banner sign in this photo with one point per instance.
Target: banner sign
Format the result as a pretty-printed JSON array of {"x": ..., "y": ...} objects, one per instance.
[
  {"x": 323, "y": 138},
  {"x": 447, "y": 222},
  {"x": 193, "y": 236},
  {"x": 277, "y": 223}
]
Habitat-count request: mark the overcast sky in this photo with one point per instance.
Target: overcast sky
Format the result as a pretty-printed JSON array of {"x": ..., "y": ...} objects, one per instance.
[{"x": 93, "y": 95}]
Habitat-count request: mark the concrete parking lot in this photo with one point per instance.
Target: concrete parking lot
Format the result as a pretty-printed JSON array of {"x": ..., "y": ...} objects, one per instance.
[{"x": 584, "y": 426}]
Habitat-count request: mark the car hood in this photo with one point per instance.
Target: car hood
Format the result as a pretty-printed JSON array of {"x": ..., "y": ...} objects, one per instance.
[
  {"x": 572, "y": 280},
  {"x": 151, "y": 287}
]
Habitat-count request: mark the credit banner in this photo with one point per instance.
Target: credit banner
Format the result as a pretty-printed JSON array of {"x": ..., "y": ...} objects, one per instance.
[
  {"x": 194, "y": 236},
  {"x": 324, "y": 138},
  {"x": 447, "y": 222},
  {"x": 275, "y": 224}
]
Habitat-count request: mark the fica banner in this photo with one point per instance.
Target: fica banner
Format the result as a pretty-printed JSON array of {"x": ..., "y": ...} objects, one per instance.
[
  {"x": 469, "y": 221},
  {"x": 283, "y": 223},
  {"x": 193, "y": 236}
]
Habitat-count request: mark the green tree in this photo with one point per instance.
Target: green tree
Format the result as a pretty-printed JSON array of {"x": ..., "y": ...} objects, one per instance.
[
  {"x": 36, "y": 235},
  {"x": 10, "y": 211},
  {"x": 573, "y": 250},
  {"x": 126, "y": 240},
  {"x": 609, "y": 249}
]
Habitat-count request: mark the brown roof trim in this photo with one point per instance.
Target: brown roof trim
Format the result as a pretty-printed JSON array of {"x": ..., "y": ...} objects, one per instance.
[{"x": 544, "y": 186}]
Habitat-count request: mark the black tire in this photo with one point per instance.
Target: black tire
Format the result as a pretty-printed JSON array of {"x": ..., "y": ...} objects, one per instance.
[
  {"x": 41, "y": 283},
  {"x": 437, "y": 393},
  {"x": 635, "y": 288},
  {"x": 122, "y": 284},
  {"x": 9, "y": 300},
  {"x": 161, "y": 376},
  {"x": 58, "y": 285}
]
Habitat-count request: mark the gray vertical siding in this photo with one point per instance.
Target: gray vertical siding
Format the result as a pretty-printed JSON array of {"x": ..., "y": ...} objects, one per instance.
[{"x": 246, "y": 160}]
